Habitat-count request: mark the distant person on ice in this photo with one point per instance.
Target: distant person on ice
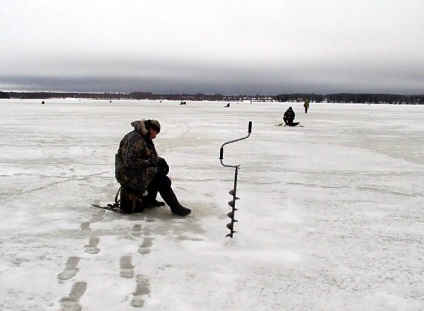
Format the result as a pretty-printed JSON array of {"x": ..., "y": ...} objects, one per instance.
[
  {"x": 289, "y": 116},
  {"x": 139, "y": 169},
  {"x": 306, "y": 105}
]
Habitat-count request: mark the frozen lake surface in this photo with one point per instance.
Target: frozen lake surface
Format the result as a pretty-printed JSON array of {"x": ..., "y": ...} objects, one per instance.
[{"x": 330, "y": 214}]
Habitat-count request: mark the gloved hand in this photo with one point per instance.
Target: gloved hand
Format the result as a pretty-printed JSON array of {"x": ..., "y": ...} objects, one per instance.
[{"x": 163, "y": 166}]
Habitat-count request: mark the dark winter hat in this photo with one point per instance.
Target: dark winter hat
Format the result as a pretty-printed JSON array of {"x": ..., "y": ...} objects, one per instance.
[{"x": 153, "y": 124}]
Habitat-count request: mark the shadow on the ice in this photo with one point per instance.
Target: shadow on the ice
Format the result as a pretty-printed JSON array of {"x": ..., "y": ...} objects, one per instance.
[{"x": 161, "y": 220}]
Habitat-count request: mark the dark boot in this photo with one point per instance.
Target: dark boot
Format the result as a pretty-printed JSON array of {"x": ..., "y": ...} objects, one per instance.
[
  {"x": 149, "y": 203},
  {"x": 176, "y": 208}
]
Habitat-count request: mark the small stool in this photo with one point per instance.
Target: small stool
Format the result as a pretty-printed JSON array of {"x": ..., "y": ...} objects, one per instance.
[{"x": 130, "y": 201}]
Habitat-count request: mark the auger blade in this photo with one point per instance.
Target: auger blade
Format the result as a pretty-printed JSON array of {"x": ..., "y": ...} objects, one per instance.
[
  {"x": 232, "y": 193},
  {"x": 230, "y": 234}
]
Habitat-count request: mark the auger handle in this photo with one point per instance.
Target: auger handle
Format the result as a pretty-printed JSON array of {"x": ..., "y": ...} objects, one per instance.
[{"x": 221, "y": 152}]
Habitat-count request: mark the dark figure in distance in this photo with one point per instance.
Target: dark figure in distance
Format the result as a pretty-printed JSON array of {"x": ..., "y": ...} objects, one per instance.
[
  {"x": 306, "y": 105},
  {"x": 289, "y": 116}
]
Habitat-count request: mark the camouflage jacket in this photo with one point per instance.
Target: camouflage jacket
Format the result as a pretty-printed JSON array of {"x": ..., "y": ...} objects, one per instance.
[
  {"x": 289, "y": 114},
  {"x": 136, "y": 159}
]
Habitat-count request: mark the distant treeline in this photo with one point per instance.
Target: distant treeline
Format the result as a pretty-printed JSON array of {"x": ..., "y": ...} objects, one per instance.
[
  {"x": 110, "y": 96},
  {"x": 298, "y": 97},
  {"x": 49, "y": 95},
  {"x": 354, "y": 98}
]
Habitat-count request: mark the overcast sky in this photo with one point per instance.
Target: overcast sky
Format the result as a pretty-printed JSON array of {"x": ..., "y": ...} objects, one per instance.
[{"x": 213, "y": 46}]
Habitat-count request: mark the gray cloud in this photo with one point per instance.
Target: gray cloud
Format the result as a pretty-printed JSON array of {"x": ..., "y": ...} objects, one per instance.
[{"x": 230, "y": 47}]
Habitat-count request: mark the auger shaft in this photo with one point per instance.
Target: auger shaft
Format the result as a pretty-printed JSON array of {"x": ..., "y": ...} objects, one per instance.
[{"x": 233, "y": 192}]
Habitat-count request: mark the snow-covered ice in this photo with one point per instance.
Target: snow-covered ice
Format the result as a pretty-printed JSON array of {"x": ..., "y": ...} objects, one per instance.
[{"x": 330, "y": 214}]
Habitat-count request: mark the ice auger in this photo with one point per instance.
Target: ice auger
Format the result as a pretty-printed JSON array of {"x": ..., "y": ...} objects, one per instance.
[{"x": 233, "y": 192}]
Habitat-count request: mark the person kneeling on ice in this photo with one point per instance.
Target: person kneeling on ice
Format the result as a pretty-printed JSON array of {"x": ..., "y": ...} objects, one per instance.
[
  {"x": 289, "y": 116},
  {"x": 139, "y": 169}
]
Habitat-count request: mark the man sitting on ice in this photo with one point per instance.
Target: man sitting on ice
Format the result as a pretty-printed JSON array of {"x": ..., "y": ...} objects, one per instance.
[
  {"x": 289, "y": 117},
  {"x": 136, "y": 170}
]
